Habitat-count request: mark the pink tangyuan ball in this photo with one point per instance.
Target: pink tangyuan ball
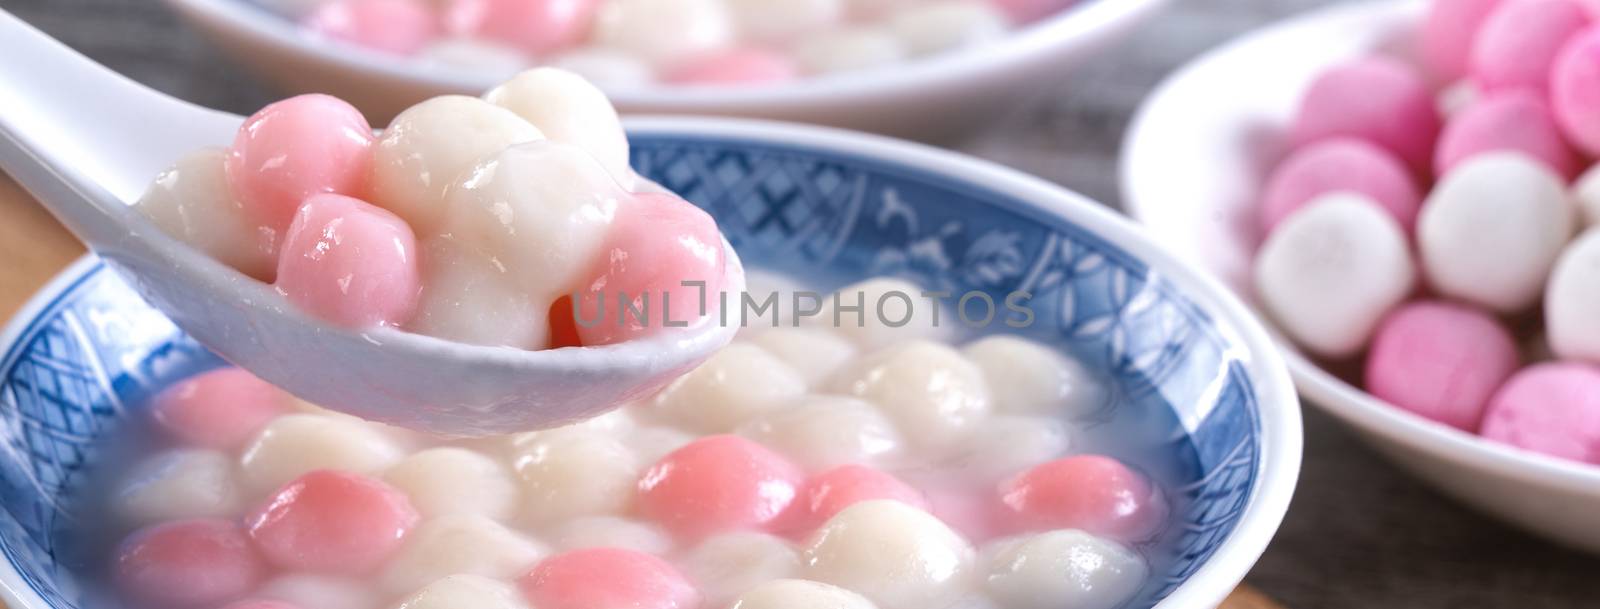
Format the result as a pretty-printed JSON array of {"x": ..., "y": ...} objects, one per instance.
[
  {"x": 1375, "y": 99},
  {"x": 604, "y": 578},
  {"x": 295, "y": 148},
  {"x": 1341, "y": 164},
  {"x": 332, "y": 522},
  {"x": 1551, "y": 408},
  {"x": 1441, "y": 360},
  {"x": 401, "y": 27},
  {"x": 188, "y": 564},
  {"x": 1517, "y": 121},
  {"x": 1519, "y": 41},
  {"x": 221, "y": 409},
  {"x": 351, "y": 263}
]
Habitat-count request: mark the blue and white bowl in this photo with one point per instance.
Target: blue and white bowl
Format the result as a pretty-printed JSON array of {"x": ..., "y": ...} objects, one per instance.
[{"x": 812, "y": 203}]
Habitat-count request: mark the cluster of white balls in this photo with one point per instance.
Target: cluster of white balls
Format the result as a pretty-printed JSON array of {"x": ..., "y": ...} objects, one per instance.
[
  {"x": 1501, "y": 232},
  {"x": 897, "y": 399}
]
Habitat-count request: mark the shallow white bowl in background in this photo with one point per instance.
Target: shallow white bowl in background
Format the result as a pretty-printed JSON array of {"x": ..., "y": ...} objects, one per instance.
[
  {"x": 934, "y": 98},
  {"x": 1192, "y": 164}
]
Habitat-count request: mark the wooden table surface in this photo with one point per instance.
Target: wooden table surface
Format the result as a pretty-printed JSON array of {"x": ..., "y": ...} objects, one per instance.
[{"x": 1359, "y": 535}]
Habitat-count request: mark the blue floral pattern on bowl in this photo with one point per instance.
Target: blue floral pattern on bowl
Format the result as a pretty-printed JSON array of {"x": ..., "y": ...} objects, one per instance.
[{"x": 95, "y": 350}]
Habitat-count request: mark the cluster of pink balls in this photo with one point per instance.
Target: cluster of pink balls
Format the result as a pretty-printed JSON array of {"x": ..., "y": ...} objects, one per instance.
[
  {"x": 486, "y": 221},
  {"x": 269, "y": 503},
  {"x": 632, "y": 42},
  {"x": 1441, "y": 235}
]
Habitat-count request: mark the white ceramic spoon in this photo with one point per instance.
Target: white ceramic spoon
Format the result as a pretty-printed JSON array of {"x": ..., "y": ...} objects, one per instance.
[{"x": 86, "y": 142}]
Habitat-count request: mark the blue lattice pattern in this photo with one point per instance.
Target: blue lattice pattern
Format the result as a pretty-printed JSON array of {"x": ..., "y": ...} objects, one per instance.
[
  {"x": 96, "y": 346},
  {"x": 54, "y": 401},
  {"x": 63, "y": 384},
  {"x": 784, "y": 204}
]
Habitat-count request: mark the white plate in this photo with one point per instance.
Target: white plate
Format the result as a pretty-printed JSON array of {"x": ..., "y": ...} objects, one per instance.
[
  {"x": 930, "y": 99},
  {"x": 1192, "y": 164}
]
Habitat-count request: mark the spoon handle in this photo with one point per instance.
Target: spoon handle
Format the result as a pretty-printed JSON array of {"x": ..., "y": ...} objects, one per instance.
[{"x": 84, "y": 139}]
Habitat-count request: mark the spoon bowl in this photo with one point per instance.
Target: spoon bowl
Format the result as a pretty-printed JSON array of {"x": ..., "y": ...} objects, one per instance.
[{"x": 86, "y": 142}]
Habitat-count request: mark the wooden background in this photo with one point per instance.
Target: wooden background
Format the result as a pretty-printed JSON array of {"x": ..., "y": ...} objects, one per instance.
[{"x": 1360, "y": 534}]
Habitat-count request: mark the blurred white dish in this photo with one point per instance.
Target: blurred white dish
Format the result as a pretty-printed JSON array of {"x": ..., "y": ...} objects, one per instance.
[
  {"x": 933, "y": 98},
  {"x": 1192, "y": 165}
]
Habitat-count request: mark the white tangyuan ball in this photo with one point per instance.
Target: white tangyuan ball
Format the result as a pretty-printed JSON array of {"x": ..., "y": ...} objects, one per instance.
[
  {"x": 892, "y": 311},
  {"x": 652, "y": 442},
  {"x": 183, "y": 483},
  {"x": 800, "y": 594},
  {"x": 1065, "y": 568},
  {"x": 664, "y": 32},
  {"x": 932, "y": 393},
  {"x": 1492, "y": 228},
  {"x": 618, "y": 420},
  {"x": 815, "y": 353},
  {"x": 605, "y": 67},
  {"x": 782, "y": 21},
  {"x": 462, "y": 543},
  {"x": 610, "y": 532},
  {"x": 1004, "y": 445},
  {"x": 296, "y": 444},
  {"x": 612, "y": 422},
  {"x": 541, "y": 209},
  {"x": 726, "y": 565},
  {"x": 576, "y": 473},
  {"x": 752, "y": 309},
  {"x": 1572, "y": 301},
  {"x": 429, "y": 146},
  {"x": 450, "y": 480},
  {"x": 192, "y": 203},
  {"x": 897, "y": 555},
  {"x": 570, "y": 110},
  {"x": 1306, "y": 271},
  {"x": 476, "y": 56},
  {"x": 1587, "y": 193},
  {"x": 734, "y": 385},
  {"x": 848, "y": 50},
  {"x": 1029, "y": 378},
  {"x": 469, "y": 299},
  {"x": 309, "y": 591},
  {"x": 948, "y": 24},
  {"x": 821, "y": 432},
  {"x": 466, "y": 592},
  {"x": 615, "y": 423},
  {"x": 403, "y": 438}
]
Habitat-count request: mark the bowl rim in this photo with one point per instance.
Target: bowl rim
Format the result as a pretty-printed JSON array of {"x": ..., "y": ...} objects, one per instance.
[
  {"x": 1030, "y": 43},
  {"x": 1280, "y": 439},
  {"x": 1332, "y": 394}
]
